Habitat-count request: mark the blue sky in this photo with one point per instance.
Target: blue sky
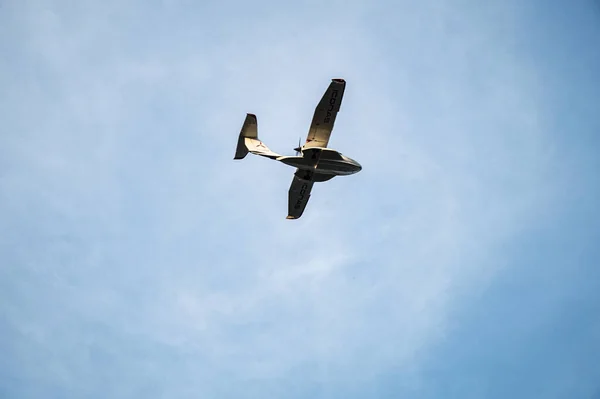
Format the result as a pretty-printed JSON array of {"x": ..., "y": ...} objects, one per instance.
[{"x": 137, "y": 259}]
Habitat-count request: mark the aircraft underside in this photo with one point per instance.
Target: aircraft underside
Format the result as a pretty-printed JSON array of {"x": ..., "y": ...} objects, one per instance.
[
  {"x": 317, "y": 163},
  {"x": 325, "y": 166}
]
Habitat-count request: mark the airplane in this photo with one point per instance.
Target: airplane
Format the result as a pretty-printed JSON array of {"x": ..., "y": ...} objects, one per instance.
[{"x": 314, "y": 162}]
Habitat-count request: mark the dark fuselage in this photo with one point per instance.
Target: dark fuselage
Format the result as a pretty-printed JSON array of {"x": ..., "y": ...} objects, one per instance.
[{"x": 324, "y": 161}]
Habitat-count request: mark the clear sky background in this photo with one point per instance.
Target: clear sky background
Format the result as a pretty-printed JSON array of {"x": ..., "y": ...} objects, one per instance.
[{"x": 137, "y": 259}]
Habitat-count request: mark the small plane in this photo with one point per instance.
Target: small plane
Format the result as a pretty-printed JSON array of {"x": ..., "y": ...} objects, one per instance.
[{"x": 314, "y": 162}]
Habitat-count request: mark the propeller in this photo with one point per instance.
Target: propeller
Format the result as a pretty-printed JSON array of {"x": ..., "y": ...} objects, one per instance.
[{"x": 298, "y": 149}]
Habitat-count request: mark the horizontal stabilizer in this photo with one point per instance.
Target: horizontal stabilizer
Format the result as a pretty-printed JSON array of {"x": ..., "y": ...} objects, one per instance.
[{"x": 248, "y": 141}]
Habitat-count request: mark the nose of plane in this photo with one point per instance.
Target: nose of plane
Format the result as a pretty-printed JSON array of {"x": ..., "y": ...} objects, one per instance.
[{"x": 356, "y": 165}]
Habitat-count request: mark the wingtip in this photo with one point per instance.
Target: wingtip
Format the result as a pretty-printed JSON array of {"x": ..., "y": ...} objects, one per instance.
[
  {"x": 290, "y": 217},
  {"x": 339, "y": 80}
]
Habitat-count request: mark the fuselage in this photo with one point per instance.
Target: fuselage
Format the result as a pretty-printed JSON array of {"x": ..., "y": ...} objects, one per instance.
[{"x": 324, "y": 161}]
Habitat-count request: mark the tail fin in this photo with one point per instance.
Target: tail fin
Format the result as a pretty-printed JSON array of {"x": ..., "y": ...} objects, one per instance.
[{"x": 248, "y": 141}]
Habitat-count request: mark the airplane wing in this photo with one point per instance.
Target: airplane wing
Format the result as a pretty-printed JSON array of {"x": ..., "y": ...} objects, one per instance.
[
  {"x": 325, "y": 113},
  {"x": 299, "y": 194}
]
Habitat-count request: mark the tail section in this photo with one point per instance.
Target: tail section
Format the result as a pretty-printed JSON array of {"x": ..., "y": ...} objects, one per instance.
[{"x": 248, "y": 141}]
